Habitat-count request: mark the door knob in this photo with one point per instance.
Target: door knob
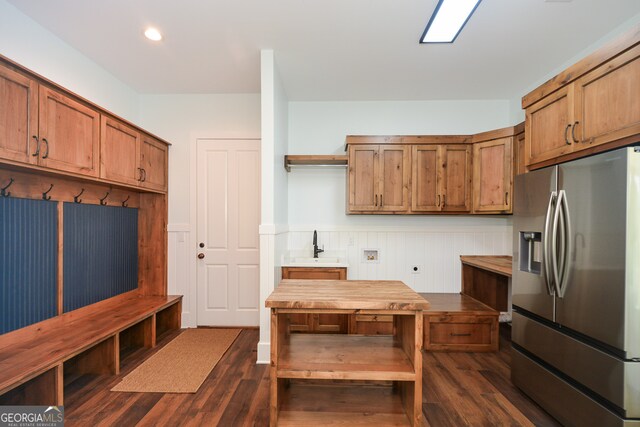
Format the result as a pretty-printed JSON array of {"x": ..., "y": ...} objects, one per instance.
[{"x": 200, "y": 256}]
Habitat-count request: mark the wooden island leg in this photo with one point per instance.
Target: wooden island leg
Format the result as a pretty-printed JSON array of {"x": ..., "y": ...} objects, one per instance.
[{"x": 417, "y": 363}]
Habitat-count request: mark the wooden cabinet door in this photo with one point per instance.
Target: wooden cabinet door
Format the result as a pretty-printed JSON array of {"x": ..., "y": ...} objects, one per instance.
[
  {"x": 18, "y": 116},
  {"x": 363, "y": 178},
  {"x": 425, "y": 181},
  {"x": 492, "y": 178},
  {"x": 154, "y": 163},
  {"x": 394, "y": 169},
  {"x": 455, "y": 161},
  {"x": 119, "y": 152},
  {"x": 607, "y": 101},
  {"x": 69, "y": 134},
  {"x": 548, "y": 127}
]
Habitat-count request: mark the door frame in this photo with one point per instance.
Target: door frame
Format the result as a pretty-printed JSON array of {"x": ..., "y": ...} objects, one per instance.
[{"x": 191, "y": 312}]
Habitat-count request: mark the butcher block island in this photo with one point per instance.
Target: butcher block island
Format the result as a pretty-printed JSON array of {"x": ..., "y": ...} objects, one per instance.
[{"x": 326, "y": 379}]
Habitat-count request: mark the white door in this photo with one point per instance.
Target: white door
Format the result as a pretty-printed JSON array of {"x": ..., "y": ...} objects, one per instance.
[{"x": 228, "y": 192}]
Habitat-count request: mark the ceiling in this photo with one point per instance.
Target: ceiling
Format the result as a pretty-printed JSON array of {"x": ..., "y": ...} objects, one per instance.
[{"x": 329, "y": 49}]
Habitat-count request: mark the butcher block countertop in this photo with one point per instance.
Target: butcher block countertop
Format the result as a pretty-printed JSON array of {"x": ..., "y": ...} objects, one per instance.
[
  {"x": 346, "y": 295},
  {"x": 500, "y": 264}
]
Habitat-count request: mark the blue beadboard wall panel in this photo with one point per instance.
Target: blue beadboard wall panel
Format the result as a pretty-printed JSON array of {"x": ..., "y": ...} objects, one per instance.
[
  {"x": 28, "y": 262},
  {"x": 100, "y": 253}
]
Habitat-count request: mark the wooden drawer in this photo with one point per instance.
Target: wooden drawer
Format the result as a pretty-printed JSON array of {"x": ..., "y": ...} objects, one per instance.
[
  {"x": 370, "y": 324},
  {"x": 461, "y": 332}
]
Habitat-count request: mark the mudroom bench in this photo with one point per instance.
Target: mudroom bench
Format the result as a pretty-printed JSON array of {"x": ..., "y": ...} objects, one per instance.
[{"x": 36, "y": 360}]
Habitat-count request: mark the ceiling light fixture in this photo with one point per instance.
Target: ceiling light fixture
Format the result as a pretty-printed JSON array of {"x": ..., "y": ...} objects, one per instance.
[
  {"x": 153, "y": 34},
  {"x": 448, "y": 20}
]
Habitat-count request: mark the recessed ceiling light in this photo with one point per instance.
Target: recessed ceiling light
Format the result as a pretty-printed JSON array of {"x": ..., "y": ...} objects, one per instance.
[
  {"x": 153, "y": 34},
  {"x": 448, "y": 20}
]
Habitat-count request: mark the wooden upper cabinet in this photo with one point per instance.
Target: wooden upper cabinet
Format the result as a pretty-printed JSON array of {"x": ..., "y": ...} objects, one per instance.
[
  {"x": 441, "y": 178},
  {"x": 425, "y": 181},
  {"x": 154, "y": 156},
  {"x": 394, "y": 169},
  {"x": 607, "y": 101},
  {"x": 18, "y": 116},
  {"x": 548, "y": 127},
  {"x": 379, "y": 178},
  {"x": 592, "y": 103},
  {"x": 492, "y": 176},
  {"x": 69, "y": 134},
  {"x": 456, "y": 177},
  {"x": 119, "y": 152}
]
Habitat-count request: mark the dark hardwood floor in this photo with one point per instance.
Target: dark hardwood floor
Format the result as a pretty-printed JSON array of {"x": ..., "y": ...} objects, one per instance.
[{"x": 460, "y": 389}]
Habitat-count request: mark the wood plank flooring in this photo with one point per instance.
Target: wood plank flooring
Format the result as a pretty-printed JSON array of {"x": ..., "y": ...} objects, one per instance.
[{"x": 460, "y": 389}]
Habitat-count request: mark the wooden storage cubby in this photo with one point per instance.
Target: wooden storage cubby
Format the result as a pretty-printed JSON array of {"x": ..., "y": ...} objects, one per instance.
[
  {"x": 359, "y": 380},
  {"x": 168, "y": 319},
  {"x": 43, "y": 389},
  {"x": 140, "y": 335}
]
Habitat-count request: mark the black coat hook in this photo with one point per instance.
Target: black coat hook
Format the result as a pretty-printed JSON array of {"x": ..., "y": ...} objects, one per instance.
[
  {"x": 45, "y": 195},
  {"x": 3, "y": 190},
  {"x": 77, "y": 199},
  {"x": 124, "y": 202},
  {"x": 102, "y": 201}
]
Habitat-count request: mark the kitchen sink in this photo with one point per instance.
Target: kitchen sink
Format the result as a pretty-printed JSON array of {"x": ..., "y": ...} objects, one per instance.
[{"x": 327, "y": 260}]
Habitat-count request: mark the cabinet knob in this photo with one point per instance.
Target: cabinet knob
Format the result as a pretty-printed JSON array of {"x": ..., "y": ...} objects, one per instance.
[
  {"x": 201, "y": 244},
  {"x": 200, "y": 255}
]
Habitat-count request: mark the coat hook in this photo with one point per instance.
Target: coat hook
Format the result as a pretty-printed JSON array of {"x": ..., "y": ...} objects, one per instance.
[
  {"x": 124, "y": 202},
  {"x": 3, "y": 190},
  {"x": 102, "y": 201},
  {"x": 77, "y": 199},
  {"x": 45, "y": 195}
]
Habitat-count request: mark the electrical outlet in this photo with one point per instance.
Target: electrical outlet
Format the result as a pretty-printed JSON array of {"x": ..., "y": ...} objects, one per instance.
[
  {"x": 351, "y": 241},
  {"x": 416, "y": 269}
]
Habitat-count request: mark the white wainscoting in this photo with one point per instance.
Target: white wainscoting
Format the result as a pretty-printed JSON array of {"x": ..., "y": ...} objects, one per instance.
[
  {"x": 435, "y": 250},
  {"x": 179, "y": 271}
]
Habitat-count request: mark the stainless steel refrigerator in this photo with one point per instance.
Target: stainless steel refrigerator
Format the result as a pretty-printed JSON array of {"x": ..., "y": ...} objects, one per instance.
[{"x": 576, "y": 289}]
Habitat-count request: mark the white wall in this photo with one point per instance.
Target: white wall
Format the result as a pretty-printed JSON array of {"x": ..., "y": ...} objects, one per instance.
[
  {"x": 317, "y": 197},
  {"x": 29, "y": 44},
  {"x": 517, "y": 113},
  {"x": 180, "y": 119},
  {"x": 273, "y": 227}
]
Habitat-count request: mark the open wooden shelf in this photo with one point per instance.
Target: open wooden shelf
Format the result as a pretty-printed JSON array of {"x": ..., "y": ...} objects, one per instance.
[
  {"x": 341, "y": 404},
  {"x": 314, "y": 160},
  {"x": 344, "y": 357}
]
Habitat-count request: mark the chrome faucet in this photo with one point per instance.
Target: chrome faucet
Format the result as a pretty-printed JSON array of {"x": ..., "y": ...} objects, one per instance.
[{"x": 316, "y": 251}]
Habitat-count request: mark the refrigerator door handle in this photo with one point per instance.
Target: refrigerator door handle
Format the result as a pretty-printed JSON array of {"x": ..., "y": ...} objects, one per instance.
[
  {"x": 565, "y": 244},
  {"x": 554, "y": 245},
  {"x": 546, "y": 255}
]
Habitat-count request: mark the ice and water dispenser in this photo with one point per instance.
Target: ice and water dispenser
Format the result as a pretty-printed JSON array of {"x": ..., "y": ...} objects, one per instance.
[{"x": 530, "y": 251}]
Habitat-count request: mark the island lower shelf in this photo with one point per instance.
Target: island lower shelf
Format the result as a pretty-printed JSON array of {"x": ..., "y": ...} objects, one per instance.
[
  {"x": 344, "y": 357},
  {"x": 341, "y": 404}
]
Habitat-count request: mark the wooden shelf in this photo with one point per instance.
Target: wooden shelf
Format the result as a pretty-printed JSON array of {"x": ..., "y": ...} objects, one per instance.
[
  {"x": 314, "y": 160},
  {"x": 353, "y": 405},
  {"x": 345, "y": 357}
]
